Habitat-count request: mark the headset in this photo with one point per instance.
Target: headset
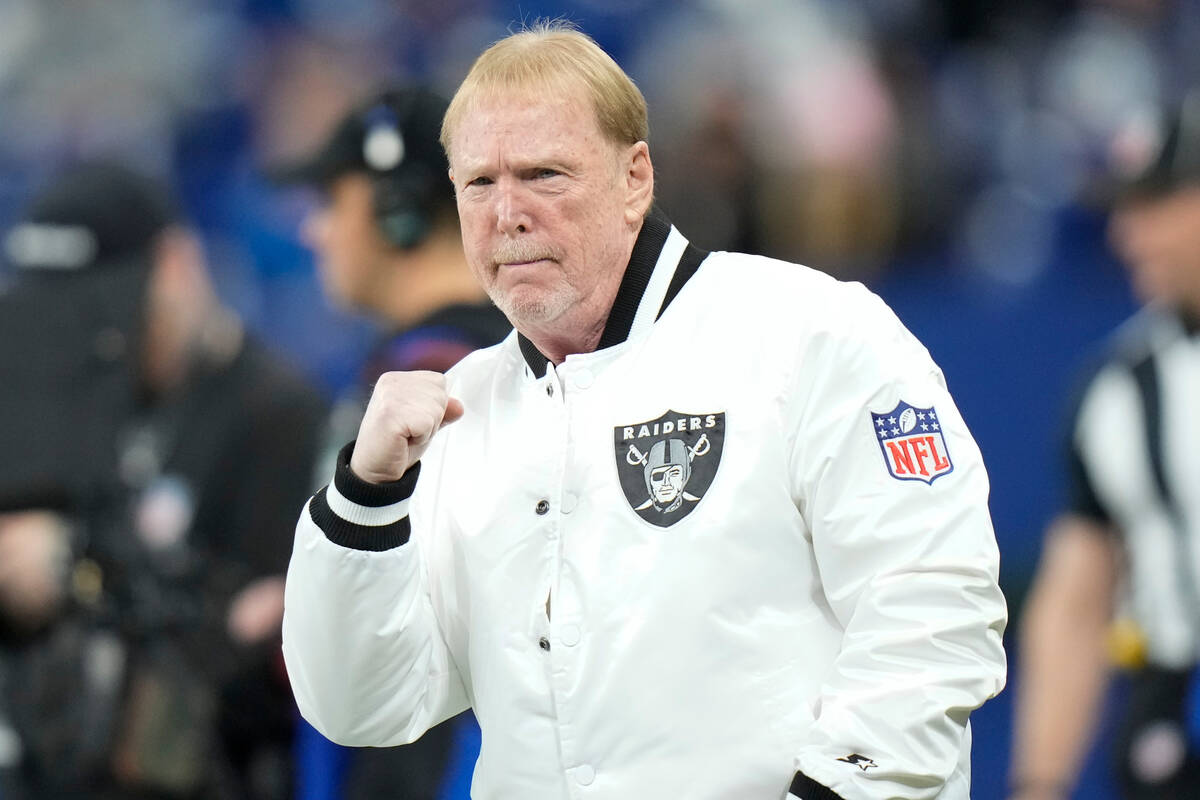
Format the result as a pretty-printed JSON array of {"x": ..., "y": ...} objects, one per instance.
[{"x": 402, "y": 189}]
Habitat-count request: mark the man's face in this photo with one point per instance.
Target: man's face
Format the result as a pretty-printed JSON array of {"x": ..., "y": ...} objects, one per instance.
[
  {"x": 1159, "y": 240},
  {"x": 546, "y": 204},
  {"x": 350, "y": 250}
]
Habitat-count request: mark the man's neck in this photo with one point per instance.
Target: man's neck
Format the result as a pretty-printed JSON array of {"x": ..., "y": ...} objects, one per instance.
[
  {"x": 563, "y": 337},
  {"x": 420, "y": 282},
  {"x": 581, "y": 329}
]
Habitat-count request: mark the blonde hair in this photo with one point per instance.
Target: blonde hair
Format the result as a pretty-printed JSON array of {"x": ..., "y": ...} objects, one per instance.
[{"x": 553, "y": 58}]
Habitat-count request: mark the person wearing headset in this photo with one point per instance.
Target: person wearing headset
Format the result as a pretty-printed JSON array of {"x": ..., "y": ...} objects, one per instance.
[{"x": 387, "y": 245}]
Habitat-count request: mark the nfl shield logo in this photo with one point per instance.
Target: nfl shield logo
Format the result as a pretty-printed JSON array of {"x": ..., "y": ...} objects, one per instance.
[
  {"x": 667, "y": 464},
  {"x": 912, "y": 443}
]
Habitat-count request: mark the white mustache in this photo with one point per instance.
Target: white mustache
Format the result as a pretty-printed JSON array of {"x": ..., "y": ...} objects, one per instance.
[{"x": 521, "y": 252}]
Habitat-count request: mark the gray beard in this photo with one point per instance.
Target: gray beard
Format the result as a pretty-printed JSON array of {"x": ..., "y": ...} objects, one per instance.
[{"x": 535, "y": 311}]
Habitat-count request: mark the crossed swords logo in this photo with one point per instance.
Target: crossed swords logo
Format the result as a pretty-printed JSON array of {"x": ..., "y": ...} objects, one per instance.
[{"x": 667, "y": 477}]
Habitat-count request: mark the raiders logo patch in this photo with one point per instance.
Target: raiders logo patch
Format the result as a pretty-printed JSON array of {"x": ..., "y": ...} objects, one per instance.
[
  {"x": 912, "y": 443},
  {"x": 667, "y": 464}
]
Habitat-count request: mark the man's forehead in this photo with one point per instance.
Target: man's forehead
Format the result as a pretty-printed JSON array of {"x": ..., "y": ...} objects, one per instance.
[
  {"x": 492, "y": 115},
  {"x": 530, "y": 104}
]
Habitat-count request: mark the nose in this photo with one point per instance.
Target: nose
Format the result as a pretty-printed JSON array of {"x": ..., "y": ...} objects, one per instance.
[{"x": 512, "y": 214}]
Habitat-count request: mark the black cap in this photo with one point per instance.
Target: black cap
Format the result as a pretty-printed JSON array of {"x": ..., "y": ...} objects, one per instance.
[
  {"x": 1155, "y": 154},
  {"x": 92, "y": 213},
  {"x": 394, "y": 132}
]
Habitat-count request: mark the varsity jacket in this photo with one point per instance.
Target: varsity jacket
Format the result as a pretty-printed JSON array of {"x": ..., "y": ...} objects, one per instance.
[{"x": 742, "y": 550}]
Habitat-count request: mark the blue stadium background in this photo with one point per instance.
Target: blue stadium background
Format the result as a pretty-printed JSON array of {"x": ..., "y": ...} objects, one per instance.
[{"x": 941, "y": 152}]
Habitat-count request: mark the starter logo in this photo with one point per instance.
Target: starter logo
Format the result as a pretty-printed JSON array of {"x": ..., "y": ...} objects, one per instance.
[
  {"x": 859, "y": 760},
  {"x": 912, "y": 443},
  {"x": 667, "y": 464}
]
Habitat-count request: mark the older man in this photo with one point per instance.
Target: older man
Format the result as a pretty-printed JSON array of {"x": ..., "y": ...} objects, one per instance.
[{"x": 820, "y": 613}]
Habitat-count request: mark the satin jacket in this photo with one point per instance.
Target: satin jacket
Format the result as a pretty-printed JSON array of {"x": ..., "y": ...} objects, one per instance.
[{"x": 742, "y": 550}]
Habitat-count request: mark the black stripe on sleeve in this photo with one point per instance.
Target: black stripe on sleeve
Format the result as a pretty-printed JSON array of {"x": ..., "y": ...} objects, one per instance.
[
  {"x": 372, "y": 495},
  {"x": 806, "y": 788},
  {"x": 374, "y": 538},
  {"x": 1081, "y": 496}
]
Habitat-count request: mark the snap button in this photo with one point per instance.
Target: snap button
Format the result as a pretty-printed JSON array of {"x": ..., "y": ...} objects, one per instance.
[
  {"x": 550, "y": 389},
  {"x": 542, "y": 507},
  {"x": 569, "y": 502},
  {"x": 544, "y": 643},
  {"x": 585, "y": 774},
  {"x": 569, "y": 635}
]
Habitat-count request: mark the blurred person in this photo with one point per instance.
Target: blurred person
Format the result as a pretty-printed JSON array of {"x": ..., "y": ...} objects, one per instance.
[
  {"x": 387, "y": 243},
  {"x": 196, "y": 441},
  {"x": 386, "y": 235},
  {"x": 34, "y": 553},
  {"x": 1118, "y": 576},
  {"x": 797, "y": 89},
  {"x": 816, "y": 618},
  {"x": 60, "y": 669}
]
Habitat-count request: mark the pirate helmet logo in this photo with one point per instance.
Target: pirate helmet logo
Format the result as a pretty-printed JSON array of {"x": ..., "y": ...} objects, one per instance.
[{"x": 667, "y": 464}]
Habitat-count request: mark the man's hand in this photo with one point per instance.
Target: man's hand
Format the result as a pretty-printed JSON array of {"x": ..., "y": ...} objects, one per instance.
[
  {"x": 256, "y": 611},
  {"x": 406, "y": 410}
]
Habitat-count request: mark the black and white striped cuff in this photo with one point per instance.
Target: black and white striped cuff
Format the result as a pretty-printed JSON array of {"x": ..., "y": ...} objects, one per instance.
[
  {"x": 360, "y": 515},
  {"x": 806, "y": 788}
]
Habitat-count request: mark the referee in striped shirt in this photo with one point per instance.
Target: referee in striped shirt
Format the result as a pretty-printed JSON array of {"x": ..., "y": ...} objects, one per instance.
[{"x": 1120, "y": 573}]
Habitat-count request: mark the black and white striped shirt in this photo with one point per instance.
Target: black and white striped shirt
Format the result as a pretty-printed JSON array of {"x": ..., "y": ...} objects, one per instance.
[{"x": 1135, "y": 450}]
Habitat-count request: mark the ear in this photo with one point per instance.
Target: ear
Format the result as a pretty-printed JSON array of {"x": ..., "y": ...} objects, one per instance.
[{"x": 639, "y": 182}]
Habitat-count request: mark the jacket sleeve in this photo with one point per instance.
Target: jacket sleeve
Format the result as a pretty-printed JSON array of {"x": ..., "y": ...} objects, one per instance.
[
  {"x": 363, "y": 648},
  {"x": 907, "y": 560}
]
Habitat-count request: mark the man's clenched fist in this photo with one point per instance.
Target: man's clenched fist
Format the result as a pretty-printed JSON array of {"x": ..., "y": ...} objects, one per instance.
[{"x": 406, "y": 410}]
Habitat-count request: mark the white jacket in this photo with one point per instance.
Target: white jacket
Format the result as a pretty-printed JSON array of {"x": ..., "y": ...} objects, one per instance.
[{"x": 741, "y": 547}]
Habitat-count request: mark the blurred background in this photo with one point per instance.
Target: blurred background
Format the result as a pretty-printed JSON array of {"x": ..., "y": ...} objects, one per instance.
[{"x": 942, "y": 152}]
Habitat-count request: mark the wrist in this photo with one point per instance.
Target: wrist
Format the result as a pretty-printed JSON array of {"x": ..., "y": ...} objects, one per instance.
[
  {"x": 370, "y": 475},
  {"x": 362, "y": 490}
]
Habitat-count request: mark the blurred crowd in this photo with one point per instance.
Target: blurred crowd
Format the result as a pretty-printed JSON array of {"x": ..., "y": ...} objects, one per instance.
[
  {"x": 846, "y": 135},
  {"x": 912, "y": 144}
]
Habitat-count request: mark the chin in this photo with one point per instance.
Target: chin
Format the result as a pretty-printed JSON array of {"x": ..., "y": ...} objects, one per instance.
[{"x": 532, "y": 307}]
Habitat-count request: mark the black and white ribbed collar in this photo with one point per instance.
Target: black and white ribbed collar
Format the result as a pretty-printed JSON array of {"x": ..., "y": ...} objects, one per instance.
[
  {"x": 1191, "y": 323},
  {"x": 662, "y": 261}
]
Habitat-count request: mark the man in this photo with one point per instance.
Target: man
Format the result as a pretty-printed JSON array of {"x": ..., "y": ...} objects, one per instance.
[
  {"x": 178, "y": 438},
  {"x": 1124, "y": 543},
  {"x": 388, "y": 245},
  {"x": 386, "y": 236},
  {"x": 819, "y": 620},
  {"x": 387, "y": 240}
]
